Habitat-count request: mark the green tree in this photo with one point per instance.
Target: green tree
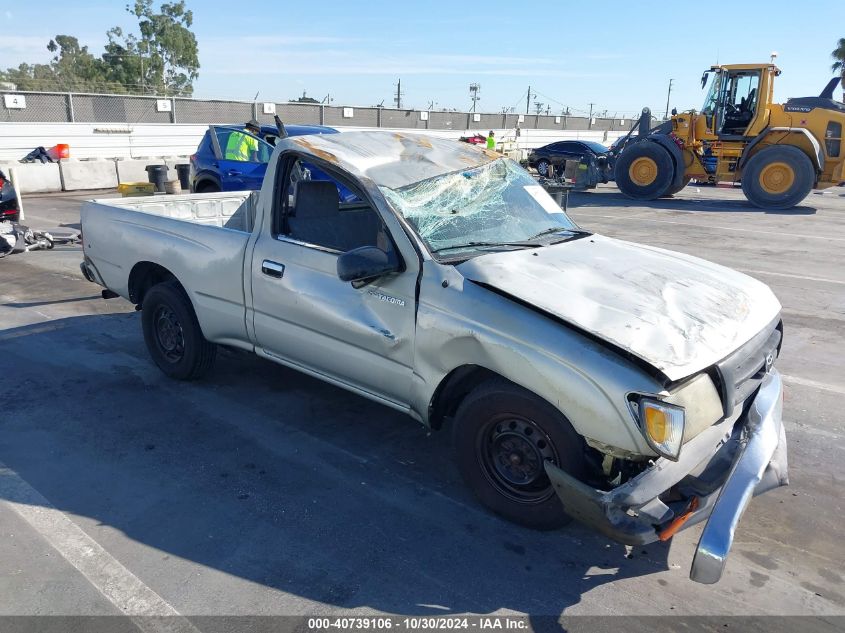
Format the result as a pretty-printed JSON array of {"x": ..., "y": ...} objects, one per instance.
[
  {"x": 162, "y": 58},
  {"x": 838, "y": 55}
]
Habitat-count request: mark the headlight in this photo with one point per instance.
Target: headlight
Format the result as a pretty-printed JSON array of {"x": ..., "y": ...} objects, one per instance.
[{"x": 663, "y": 426}]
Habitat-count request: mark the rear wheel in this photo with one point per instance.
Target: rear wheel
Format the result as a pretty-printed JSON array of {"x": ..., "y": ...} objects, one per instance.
[
  {"x": 173, "y": 335},
  {"x": 675, "y": 189},
  {"x": 778, "y": 177},
  {"x": 644, "y": 171},
  {"x": 543, "y": 167},
  {"x": 207, "y": 186},
  {"x": 504, "y": 435}
]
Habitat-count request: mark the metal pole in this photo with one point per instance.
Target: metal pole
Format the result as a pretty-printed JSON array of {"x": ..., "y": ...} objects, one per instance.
[
  {"x": 71, "y": 114},
  {"x": 666, "y": 116},
  {"x": 528, "y": 100}
]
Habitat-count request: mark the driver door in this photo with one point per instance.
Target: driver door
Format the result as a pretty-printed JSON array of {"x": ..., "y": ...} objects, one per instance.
[
  {"x": 304, "y": 315},
  {"x": 235, "y": 173},
  {"x": 738, "y": 103}
]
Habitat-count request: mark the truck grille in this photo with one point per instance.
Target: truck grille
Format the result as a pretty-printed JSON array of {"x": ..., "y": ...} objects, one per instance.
[{"x": 741, "y": 373}]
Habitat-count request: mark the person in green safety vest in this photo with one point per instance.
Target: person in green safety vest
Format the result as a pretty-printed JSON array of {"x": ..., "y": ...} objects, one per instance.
[
  {"x": 491, "y": 141},
  {"x": 243, "y": 147}
]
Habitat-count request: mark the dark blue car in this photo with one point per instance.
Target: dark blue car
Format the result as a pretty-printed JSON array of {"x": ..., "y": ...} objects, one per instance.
[{"x": 211, "y": 170}]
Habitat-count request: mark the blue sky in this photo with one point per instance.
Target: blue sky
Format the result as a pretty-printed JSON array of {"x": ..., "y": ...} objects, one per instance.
[{"x": 620, "y": 56}]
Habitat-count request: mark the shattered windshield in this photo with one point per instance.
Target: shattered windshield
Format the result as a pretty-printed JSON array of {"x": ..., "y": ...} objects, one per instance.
[{"x": 498, "y": 203}]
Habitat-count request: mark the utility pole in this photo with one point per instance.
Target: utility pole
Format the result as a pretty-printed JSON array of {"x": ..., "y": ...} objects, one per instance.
[
  {"x": 666, "y": 116},
  {"x": 528, "y": 100},
  {"x": 398, "y": 98},
  {"x": 474, "y": 89}
]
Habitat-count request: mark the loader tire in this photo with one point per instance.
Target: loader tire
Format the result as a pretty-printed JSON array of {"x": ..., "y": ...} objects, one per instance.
[
  {"x": 778, "y": 177},
  {"x": 677, "y": 188},
  {"x": 644, "y": 171},
  {"x": 173, "y": 335}
]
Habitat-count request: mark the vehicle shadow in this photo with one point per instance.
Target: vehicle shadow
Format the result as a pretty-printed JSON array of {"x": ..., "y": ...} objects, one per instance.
[
  {"x": 267, "y": 475},
  {"x": 686, "y": 202}
]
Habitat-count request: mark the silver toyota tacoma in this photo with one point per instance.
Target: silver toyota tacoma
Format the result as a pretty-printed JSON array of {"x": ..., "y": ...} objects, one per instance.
[{"x": 581, "y": 376}]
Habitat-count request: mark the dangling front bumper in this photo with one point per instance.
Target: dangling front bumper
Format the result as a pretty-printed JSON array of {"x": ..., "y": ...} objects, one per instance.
[{"x": 720, "y": 469}]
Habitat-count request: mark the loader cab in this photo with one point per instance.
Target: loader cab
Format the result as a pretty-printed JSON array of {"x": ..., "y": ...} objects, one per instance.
[{"x": 732, "y": 101}]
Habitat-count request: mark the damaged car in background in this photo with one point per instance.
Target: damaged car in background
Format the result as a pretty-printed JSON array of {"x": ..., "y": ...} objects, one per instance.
[{"x": 629, "y": 387}]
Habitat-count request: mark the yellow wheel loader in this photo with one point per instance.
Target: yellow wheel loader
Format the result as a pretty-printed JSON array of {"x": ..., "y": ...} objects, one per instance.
[{"x": 779, "y": 152}]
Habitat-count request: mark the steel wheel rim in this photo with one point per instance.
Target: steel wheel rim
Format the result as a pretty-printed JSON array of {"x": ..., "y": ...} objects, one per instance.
[
  {"x": 169, "y": 336},
  {"x": 512, "y": 452},
  {"x": 543, "y": 168},
  {"x": 643, "y": 171},
  {"x": 777, "y": 178}
]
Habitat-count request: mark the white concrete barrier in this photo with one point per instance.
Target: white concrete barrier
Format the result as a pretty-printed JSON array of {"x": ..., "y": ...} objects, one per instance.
[
  {"x": 133, "y": 170},
  {"x": 88, "y": 174},
  {"x": 34, "y": 177}
]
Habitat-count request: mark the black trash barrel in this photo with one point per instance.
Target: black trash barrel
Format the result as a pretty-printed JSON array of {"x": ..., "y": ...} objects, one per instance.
[
  {"x": 183, "y": 170},
  {"x": 157, "y": 174}
]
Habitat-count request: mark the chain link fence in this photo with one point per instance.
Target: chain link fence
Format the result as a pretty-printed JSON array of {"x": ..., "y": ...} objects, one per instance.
[{"x": 56, "y": 107}]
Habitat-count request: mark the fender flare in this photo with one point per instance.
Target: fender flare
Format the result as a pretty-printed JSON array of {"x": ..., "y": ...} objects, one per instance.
[
  {"x": 817, "y": 158},
  {"x": 675, "y": 152}
]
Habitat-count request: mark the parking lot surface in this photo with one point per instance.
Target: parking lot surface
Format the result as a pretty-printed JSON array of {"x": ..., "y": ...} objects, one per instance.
[{"x": 261, "y": 491}]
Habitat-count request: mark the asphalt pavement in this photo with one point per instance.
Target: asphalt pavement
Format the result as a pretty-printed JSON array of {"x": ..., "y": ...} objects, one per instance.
[{"x": 261, "y": 491}]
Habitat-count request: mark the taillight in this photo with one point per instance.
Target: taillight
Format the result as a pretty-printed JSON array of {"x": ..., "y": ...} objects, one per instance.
[{"x": 193, "y": 157}]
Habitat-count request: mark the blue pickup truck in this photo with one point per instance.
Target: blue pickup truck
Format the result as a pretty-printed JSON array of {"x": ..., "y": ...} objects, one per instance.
[{"x": 211, "y": 171}]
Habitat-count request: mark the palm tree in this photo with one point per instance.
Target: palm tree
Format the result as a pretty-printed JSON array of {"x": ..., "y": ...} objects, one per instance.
[{"x": 839, "y": 55}]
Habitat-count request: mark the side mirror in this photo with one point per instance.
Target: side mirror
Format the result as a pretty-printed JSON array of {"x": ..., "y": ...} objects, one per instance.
[{"x": 365, "y": 264}]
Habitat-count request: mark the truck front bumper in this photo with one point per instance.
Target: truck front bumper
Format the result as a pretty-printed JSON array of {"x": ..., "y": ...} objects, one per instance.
[{"x": 714, "y": 479}]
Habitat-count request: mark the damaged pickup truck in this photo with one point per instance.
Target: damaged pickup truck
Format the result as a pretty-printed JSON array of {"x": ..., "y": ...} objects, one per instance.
[{"x": 626, "y": 386}]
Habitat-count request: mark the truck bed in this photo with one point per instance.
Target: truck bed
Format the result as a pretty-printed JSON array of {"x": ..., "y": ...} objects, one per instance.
[
  {"x": 200, "y": 239},
  {"x": 230, "y": 210}
]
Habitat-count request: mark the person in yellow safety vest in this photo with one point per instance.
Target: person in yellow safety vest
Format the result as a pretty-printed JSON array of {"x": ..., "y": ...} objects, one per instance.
[
  {"x": 491, "y": 142},
  {"x": 243, "y": 147}
]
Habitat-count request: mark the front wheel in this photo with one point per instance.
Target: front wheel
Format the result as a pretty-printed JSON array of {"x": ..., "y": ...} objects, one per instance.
[
  {"x": 173, "y": 335},
  {"x": 644, "y": 171},
  {"x": 503, "y": 437},
  {"x": 777, "y": 177}
]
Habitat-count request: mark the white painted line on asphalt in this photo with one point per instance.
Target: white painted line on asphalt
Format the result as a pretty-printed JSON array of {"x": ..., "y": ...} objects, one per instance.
[
  {"x": 806, "y": 382},
  {"x": 149, "y": 611},
  {"x": 721, "y": 228},
  {"x": 804, "y": 277}
]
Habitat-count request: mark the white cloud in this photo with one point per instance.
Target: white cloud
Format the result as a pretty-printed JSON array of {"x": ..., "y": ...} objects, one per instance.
[
  {"x": 334, "y": 61},
  {"x": 15, "y": 49}
]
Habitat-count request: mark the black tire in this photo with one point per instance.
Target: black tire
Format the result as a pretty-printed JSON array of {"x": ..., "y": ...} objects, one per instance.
[
  {"x": 673, "y": 190},
  {"x": 494, "y": 421},
  {"x": 778, "y": 177},
  {"x": 644, "y": 171},
  {"x": 543, "y": 167},
  {"x": 173, "y": 335},
  {"x": 208, "y": 186}
]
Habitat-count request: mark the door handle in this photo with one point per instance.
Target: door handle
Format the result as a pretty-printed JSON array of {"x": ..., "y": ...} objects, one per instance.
[
  {"x": 272, "y": 269},
  {"x": 233, "y": 172}
]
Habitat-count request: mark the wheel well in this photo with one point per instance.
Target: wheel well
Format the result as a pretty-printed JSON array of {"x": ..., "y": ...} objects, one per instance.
[
  {"x": 144, "y": 276},
  {"x": 453, "y": 389},
  {"x": 206, "y": 183},
  {"x": 799, "y": 138}
]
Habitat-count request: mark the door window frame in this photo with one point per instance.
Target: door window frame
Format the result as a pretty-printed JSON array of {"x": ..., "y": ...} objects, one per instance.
[
  {"x": 219, "y": 154},
  {"x": 281, "y": 209}
]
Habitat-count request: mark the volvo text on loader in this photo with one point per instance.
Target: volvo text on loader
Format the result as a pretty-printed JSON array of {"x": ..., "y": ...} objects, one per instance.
[{"x": 779, "y": 152}]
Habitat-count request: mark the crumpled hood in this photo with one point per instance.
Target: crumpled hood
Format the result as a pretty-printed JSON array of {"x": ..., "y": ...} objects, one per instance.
[{"x": 678, "y": 313}]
